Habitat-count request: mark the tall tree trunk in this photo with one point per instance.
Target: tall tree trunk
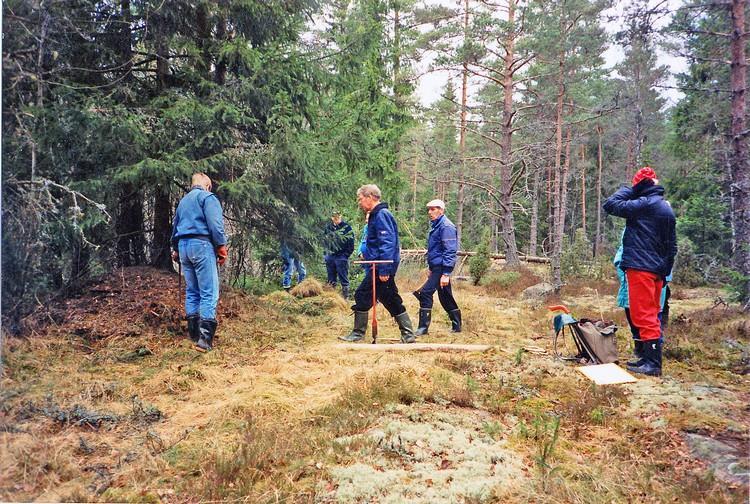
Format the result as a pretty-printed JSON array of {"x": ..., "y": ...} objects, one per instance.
[
  {"x": 130, "y": 246},
  {"x": 638, "y": 133},
  {"x": 160, "y": 248},
  {"x": 220, "y": 72},
  {"x": 462, "y": 132},
  {"x": 598, "y": 238},
  {"x": 550, "y": 207},
  {"x": 565, "y": 180},
  {"x": 160, "y": 255},
  {"x": 740, "y": 169},
  {"x": 397, "y": 91},
  {"x": 203, "y": 40},
  {"x": 506, "y": 161},
  {"x": 583, "y": 189},
  {"x": 555, "y": 231},
  {"x": 414, "y": 191},
  {"x": 493, "y": 227},
  {"x": 44, "y": 28},
  {"x": 129, "y": 227},
  {"x": 533, "y": 231},
  {"x": 162, "y": 55}
]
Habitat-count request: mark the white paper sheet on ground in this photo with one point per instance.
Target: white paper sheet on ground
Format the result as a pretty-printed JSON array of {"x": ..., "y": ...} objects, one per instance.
[{"x": 607, "y": 374}]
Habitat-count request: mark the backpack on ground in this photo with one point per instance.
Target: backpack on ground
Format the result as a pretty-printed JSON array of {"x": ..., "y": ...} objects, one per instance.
[{"x": 594, "y": 340}]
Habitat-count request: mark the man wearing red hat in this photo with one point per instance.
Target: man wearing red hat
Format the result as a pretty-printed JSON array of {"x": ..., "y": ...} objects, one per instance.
[{"x": 649, "y": 249}]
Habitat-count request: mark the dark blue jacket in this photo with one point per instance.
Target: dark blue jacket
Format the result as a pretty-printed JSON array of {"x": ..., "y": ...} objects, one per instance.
[
  {"x": 199, "y": 216},
  {"x": 442, "y": 244},
  {"x": 338, "y": 240},
  {"x": 382, "y": 240},
  {"x": 650, "y": 239}
]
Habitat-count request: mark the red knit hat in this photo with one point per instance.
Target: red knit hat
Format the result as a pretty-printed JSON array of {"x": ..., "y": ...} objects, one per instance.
[{"x": 645, "y": 173}]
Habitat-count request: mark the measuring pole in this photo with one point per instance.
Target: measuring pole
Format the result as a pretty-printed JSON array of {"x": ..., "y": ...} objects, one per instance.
[{"x": 374, "y": 296}]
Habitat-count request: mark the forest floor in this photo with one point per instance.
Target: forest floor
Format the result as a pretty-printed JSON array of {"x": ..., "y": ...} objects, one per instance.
[{"x": 103, "y": 401}]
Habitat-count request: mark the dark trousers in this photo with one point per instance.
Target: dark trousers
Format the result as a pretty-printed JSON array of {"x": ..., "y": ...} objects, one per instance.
[
  {"x": 386, "y": 293},
  {"x": 338, "y": 267},
  {"x": 633, "y": 329},
  {"x": 445, "y": 294}
]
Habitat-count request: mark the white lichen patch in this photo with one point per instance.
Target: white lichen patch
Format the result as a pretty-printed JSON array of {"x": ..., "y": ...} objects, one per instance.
[
  {"x": 651, "y": 395},
  {"x": 443, "y": 457}
]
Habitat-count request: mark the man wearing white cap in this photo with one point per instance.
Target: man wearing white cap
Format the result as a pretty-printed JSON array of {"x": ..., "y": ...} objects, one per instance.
[{"x": 442, "y": 245}]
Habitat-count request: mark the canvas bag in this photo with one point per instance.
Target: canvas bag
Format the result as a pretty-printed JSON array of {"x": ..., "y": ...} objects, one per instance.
[{"x": 599, "y": 339}]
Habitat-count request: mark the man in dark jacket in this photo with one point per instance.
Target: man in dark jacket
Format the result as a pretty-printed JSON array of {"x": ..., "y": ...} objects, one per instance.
[
  {"x": 442, "y": 245},
  {"x": 382, "y": 245},
  {"x": 199, "y": 243},
  {"x": 649, "y": 248},
  {"x": 339, "y": 245}
]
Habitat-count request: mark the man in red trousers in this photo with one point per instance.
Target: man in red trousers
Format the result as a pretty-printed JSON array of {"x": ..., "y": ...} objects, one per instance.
[{"x": 649, "y": 249}]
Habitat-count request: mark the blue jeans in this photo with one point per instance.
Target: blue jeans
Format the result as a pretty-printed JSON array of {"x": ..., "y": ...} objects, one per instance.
[
  {"x": 337, "y": 267},
  {"x": 290, "y": 264},
  {"x": 198, "y": 260}
]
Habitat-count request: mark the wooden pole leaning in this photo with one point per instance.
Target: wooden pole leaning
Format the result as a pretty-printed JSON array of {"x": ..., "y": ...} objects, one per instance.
[{"x": 374, "y": 295}]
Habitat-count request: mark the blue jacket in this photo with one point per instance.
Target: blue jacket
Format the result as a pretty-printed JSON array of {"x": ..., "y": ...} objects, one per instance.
[
  {"x": 338, "y": 240},
  {"x": 622, "y": 292},
  {"x": 442, "y": 244},
  {"x": 199, "y": 216},
  {"x": 650, "y": 239},
  {"x": 362, "y": 249},
  {"x": 382, "y": 240}
]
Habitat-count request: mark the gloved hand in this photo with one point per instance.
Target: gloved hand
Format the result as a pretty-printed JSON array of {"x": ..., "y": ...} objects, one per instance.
[
  {"x": 175, "y": 256},
  {"x": 221, "y": 254}
]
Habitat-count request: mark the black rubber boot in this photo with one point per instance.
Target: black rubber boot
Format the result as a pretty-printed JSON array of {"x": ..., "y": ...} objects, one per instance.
[
  {"x": 425, "y": 317},
  {"x": 360, "y": 328},
  {"x": 207, "y": 329},
  {"x": 651, "y": 362},
  {"x": 193, "y": 322},
  {"x": 407, "y": 330},
  {"x": 345, "y": 292},
  {"x": 638, "y": 353},
  {"x": 455, "y": 316}
]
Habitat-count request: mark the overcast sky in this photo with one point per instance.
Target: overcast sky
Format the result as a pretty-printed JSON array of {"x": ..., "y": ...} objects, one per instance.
[{"x": 431, "y": 84}]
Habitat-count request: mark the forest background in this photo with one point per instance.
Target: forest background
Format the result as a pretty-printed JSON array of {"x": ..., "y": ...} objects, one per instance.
[{"x": 290, "y": 105}]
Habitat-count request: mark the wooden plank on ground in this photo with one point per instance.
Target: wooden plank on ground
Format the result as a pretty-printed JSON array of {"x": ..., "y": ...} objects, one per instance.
[
  {"x": 607, "y": 374},
  {"x": 416, "y": 347}
]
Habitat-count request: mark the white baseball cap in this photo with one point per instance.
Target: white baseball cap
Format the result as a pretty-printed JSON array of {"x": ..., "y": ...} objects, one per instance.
[{"x": 436, "y": 203}]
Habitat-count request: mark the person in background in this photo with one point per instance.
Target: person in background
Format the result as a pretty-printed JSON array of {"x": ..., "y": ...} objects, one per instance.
[
  {"x": 292, "y": 262},
  {"x": 362, "y": 248},
  {"x": 338, "y": 246},
  {"x": 382, "y": 244},
  {"x": 649, "y": 248},
  {"x": 442, "y": 246},
  {"x": 199, "y": 243}
]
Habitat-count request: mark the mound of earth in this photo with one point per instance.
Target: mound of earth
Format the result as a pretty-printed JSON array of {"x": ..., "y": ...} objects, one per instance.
[{"x": 126, "y": 302}]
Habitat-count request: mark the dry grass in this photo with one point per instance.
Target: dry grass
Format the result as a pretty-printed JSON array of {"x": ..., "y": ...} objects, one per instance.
[
  {"x": 261, "y": 418},
  {"x": 308, "y": 288}
]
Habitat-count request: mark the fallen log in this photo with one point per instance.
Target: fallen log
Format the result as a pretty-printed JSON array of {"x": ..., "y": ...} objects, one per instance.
[
  {"x": 417, "y": 347},
  {"x": 469, "y": 253}
]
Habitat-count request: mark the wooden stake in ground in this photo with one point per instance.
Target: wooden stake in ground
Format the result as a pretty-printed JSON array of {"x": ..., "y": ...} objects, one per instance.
[{"x": 374, "y": 296}]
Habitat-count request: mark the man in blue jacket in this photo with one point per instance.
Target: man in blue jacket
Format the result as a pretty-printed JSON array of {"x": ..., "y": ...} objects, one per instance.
[
  {"x": 382, "y": 245},
  {"x": 338, "y": 245},
  {"x": 442, "y": 245},
  {"x": 199, "y": 242},
  {"x": 649, "y": 247}
]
